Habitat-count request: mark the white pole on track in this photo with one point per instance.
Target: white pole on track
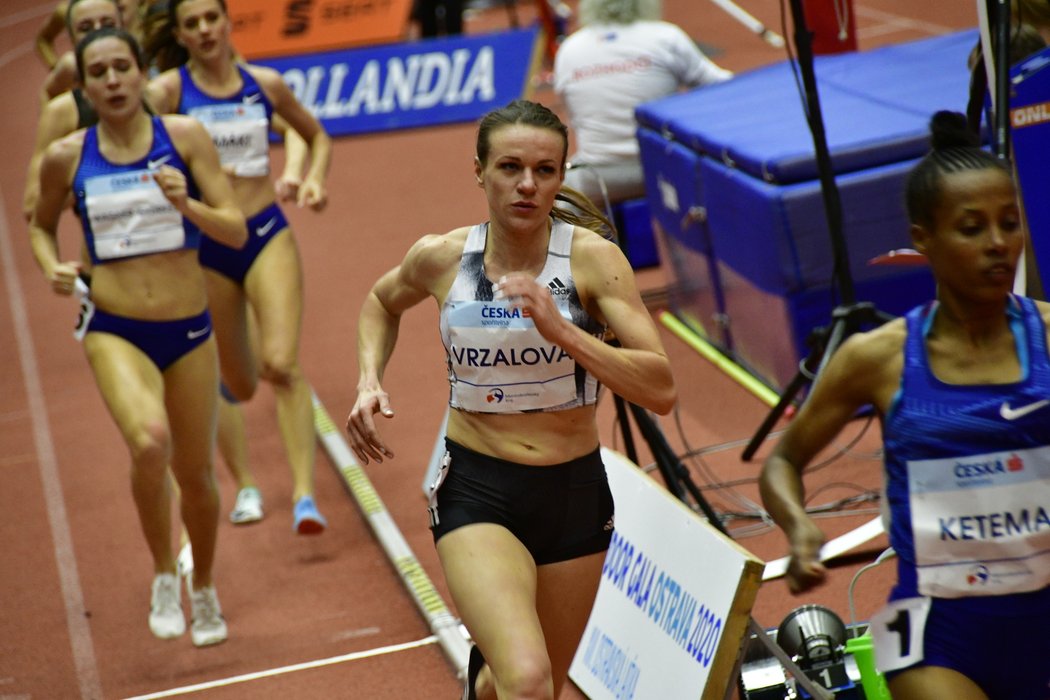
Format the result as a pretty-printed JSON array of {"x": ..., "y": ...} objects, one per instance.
[
  {"x": 751, "y": 22},
  {"x": 445, "y": 626}
]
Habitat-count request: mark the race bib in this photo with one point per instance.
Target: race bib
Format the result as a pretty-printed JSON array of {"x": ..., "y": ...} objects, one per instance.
[
  {"x": 130, "y": 215},
  {"x": 432, "y": 509},
  {"x": 241, "y": 135},
  {"x": 82, "y": 293},
  {"x": 500, "y": 363},
  {"x": 897, "y": 633},
  {"x": 980, "y": 523}
]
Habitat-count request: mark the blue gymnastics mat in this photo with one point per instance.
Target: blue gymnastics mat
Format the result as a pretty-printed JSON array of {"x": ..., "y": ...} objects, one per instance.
[
  {"x": 734, "y": 192},
  {"x": 876, "y": 107}
]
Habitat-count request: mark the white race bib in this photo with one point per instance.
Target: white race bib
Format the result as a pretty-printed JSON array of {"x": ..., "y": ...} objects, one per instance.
[
  {"x": 981, "y": 523},
  {"x": 500, "y": 363},
  {"x": 897, "y": 633},
  {"x": 241, "y": 135},
  {"x": 432, "y": 494},
  {"x": 87, "y": 308},
  {"x": 130, "y": 215}
]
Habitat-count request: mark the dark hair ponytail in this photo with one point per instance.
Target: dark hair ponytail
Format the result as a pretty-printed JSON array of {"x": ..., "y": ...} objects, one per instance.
[{"x": 158, "y": 29}]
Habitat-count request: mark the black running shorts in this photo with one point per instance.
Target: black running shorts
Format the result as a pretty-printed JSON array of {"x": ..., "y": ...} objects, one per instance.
[{"x": 559, "y": 512}]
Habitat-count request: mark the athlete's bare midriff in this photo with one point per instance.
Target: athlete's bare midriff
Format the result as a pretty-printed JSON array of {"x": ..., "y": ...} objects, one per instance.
[{"x": 536, "y": 439}]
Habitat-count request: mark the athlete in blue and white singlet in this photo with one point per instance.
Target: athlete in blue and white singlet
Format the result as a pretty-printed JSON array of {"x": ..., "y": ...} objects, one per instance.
[
  {"x": 962, "y": 386},
  {"x": 122, "y": 210},
  {"x": 968, "y": 493},
  {"x": 124, "y": 214},
  {"x": 202, "y": 76},
  {"x": 146, "y": 188},
  {"x": 239, "y": 123},
  {"x": 968, "y": 472}
]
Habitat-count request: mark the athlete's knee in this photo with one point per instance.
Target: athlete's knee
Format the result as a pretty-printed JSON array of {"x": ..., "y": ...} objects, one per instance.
[
  {"x": 280, "y": 371},
  {"x": 150, "y": 445},
  {"x": 197, "y": 483},
  {"x": 528, "y": 679}
]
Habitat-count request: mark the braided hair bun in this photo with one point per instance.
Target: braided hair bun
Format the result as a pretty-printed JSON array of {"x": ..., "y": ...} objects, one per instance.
[{"x": 949, "y": 130}]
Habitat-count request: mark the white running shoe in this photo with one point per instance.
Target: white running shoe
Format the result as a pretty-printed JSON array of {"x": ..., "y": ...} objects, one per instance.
[
  {"x": 208, "y": 626},
  {"x": 248, "y": 507},
  {"x": 165, "y": 610},
  {"x": 184, "y": 562}
]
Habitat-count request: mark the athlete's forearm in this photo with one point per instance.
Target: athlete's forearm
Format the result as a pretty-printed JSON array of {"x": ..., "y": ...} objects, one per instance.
[{"x": 377, "y": 332}]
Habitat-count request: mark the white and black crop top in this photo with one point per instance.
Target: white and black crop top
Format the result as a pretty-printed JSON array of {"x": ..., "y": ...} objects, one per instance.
[{"x": 497, "y": 361}]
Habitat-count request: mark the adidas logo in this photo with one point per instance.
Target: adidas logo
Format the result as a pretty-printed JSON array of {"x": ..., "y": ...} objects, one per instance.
[{"x": 558, "y": 288}]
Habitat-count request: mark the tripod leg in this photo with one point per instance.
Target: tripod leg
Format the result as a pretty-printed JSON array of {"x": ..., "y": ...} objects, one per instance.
[
  {"x": 839, "y": 331},
  {"x": 704, "y": 506},
  {"x": 660, "y": 450},
  {"x": 675, "y": 475},
  {"x": 625, "y": 429},
  {"x": 774, "y": 415},
  {"x": 842, "y": 324}
]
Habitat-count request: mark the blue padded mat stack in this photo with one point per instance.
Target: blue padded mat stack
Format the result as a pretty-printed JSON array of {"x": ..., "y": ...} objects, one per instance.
[
  {"x": 733, "y": 187},
  {"x": 1030, "y": 134}
]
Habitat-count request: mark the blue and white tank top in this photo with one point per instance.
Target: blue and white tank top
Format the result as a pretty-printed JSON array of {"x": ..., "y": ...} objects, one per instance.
[
  {"x": 239, "y": 124},
  {"x": 497, "y": 361},
  {"x": 122, "y": 209},
  {"x": 968, "y": 471}
]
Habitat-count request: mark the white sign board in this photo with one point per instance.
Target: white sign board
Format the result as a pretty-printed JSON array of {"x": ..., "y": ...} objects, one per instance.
[{"x": 673, "y": 603}]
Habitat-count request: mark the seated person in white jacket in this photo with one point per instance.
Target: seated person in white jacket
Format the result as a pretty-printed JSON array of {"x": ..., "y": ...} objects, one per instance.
[{"x": 621, "y": 56}]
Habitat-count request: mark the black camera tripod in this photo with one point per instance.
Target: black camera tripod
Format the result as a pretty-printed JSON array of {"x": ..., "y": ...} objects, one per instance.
[
  {"x": 850, "y": 315},
  {"x": 674, "y": 473}
]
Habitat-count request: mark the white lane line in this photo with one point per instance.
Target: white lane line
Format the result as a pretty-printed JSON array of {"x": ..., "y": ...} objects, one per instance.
[
  {"x": 16, "y": 415},
  {"x": 15, "y": 53},
  {"x": 26, "y": 15},
  {"x": 451, "y": 634},
  {"x": 897, "y": 22},
  {"x": 61, "y": 537},
  {"x": 368, "y": 653}
]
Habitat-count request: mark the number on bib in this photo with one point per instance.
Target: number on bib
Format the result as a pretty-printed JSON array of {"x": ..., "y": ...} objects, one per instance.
[
  {"x": 897, "y": 633},
  {"x": 87, "y": 308}
]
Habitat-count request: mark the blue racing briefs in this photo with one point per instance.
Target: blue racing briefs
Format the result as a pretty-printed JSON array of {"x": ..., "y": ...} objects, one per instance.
[
  {"x": 235, "y": 262},
  {"x": 1004, "y": 653},
  {"x": 163, "y": 341},
  {"x": 559, "y": 512}
]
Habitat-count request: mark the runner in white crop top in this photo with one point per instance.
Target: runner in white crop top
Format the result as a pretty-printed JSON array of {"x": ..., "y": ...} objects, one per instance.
[
  {"x": 523, "y": 515},
  {"x": 498, "y": 362}
]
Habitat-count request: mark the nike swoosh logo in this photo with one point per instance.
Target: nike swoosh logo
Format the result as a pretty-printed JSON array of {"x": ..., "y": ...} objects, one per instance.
[
  {"x": 251, "y": 99},
  {"x": 1014, "y": 413},
  {"x": 193, "y": 335},
  {"x": 265, "y": 228},
  {"x": 154, "y": 164}
]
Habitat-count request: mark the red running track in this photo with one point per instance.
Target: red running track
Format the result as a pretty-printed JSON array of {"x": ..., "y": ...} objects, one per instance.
[{"x": 325, "y": 616}]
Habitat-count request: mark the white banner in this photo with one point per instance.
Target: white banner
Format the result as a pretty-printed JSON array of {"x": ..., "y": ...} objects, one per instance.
[{"x": 673, "y": 603}]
